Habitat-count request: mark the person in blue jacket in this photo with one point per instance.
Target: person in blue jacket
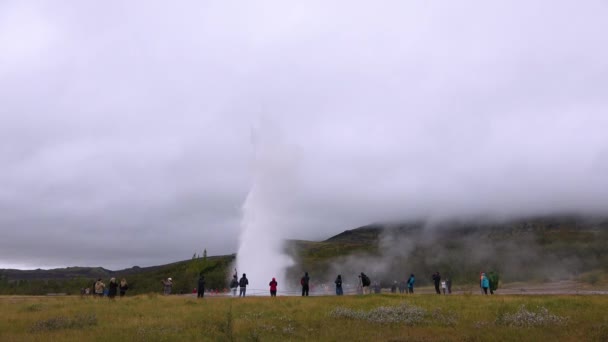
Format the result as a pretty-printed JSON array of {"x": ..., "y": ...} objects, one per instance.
[
  {"x": 485, "y": 283},
  {"x": 410, "y": 283}
]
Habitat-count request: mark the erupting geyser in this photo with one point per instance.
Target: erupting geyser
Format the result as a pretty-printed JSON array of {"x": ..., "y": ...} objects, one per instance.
[{"x": 266, "y": 213}]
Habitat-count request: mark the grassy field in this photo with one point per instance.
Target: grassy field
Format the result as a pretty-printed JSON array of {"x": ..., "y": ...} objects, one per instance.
[{"x": 383, "y": 317}]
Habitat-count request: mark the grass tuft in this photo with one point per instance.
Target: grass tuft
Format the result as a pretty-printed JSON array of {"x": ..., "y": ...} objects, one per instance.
[{"x": 63, "y": 322}]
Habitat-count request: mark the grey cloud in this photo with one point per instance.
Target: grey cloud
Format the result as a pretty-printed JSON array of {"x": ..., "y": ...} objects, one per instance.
[{"x": 131, "y": 122}]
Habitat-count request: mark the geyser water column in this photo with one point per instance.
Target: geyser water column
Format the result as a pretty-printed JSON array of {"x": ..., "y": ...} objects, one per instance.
[{"x": 266, "y": 212}]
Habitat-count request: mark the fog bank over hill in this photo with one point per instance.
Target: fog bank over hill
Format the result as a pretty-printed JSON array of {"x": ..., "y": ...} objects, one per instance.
[{"x": 550, "y": 248}]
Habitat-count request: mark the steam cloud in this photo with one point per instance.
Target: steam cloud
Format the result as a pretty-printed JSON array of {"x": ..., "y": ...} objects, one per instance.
[{"x": 266, "y": 211}]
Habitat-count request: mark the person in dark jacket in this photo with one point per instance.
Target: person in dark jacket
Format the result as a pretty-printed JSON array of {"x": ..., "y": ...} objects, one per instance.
[
  {"x": 243, "y": 282},
  {"x": 338, "y": 282},
  {"x": 201, "y": 287},
  {"x": 273, "y": 287},
  {"x": 437, "y": 280},
  {"x": 305, "y": 282},
  {"x": 112, "y": 288},
  {"x": 234, "y": 284},
  {"x": 365, "y": 283},
  {"x": 124, "y": 286}
]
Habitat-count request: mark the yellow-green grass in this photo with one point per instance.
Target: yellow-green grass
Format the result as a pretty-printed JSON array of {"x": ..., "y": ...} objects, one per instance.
[{"x": 184, "y": 318}]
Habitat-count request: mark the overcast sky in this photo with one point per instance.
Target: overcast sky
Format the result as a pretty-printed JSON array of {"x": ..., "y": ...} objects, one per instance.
[{"x": 126, "y": 126}]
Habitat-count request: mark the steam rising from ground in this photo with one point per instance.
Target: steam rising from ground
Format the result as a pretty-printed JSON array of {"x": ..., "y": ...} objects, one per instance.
[
  {"x": 521, "y": 250},
  {"x": 265, "y": 212}
]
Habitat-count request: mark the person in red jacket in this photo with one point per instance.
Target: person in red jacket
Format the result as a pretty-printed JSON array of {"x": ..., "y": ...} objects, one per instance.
[{"x": 273, "y": 287}]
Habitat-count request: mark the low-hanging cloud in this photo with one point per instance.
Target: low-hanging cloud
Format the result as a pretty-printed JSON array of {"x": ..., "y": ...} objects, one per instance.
[{"x": 125, "y": 127}]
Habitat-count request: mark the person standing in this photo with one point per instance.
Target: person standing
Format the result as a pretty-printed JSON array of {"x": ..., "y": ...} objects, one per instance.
[
  {"x": 305, "y": 282},
  {"x": 437, "y": 281},
  {"x": 234, "y": 284},
  {"x": 201, "y": 287},
  {"x": 402, "y": 286},
  {"x": 410, "y": 284},
  {"x": 113, "y": 288},
  {"x": 485, "y": 283},
  {"x": 99, "y": 287},
  {"x": 493, "y": 278},
  {"x": 273, "y": 287},
  {"x": 243, "y": 282},
  {"x": 377, "y": 287},
  {"x": 123, "y": 287},
  {"x": 448, "y": 283},
  {"x": 167, "y": 286},
  {"x": 338, "y": 282},
  {"x": 365, "y": 283}
]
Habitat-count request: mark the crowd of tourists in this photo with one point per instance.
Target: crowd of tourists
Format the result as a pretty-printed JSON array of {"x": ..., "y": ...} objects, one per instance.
[
  {"x": 111, "y": 290},
  {"x": 488, "y": 282}
]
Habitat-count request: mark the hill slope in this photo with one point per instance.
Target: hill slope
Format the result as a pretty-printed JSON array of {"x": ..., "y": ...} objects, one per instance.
[{"x": 539, "y": 249}]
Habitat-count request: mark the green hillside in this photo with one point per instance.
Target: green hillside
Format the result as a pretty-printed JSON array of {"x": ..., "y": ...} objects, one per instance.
[
  {"x": 141, "y": 279},
  {"x": 530, "y": 250}
]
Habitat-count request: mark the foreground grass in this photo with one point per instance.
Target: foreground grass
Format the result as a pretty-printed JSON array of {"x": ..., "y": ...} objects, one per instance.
[{"x": 348, "y": 318}]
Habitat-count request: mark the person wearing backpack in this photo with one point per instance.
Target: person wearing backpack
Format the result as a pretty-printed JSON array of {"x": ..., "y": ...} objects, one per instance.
[
  {"x": 365, "y": 283},
  {"x": 493, "y": 278},
  {"x": 304, "y": 282}
]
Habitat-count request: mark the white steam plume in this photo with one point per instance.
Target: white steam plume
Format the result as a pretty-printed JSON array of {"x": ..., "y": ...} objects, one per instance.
[{"x": 265, "y": 211}]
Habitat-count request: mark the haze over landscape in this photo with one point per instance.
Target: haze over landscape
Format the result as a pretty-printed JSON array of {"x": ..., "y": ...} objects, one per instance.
[{"x": 138, "y": 134}]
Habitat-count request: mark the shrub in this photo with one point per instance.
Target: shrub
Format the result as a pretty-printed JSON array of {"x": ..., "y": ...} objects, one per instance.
[
  {"x": 527, "y": 318},
  {"x": 403, "y": 313}
]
